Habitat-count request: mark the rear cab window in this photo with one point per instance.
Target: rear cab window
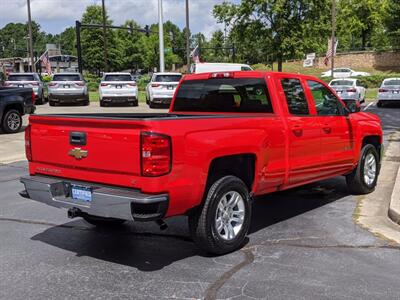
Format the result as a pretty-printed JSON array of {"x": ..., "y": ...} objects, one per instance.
[
  {"x": 21, "y": 78},
  {"x": 392, "y": 82},
  {"x": 167, "y": 78},
  {"x": 118, "y": 77},
  {"x": 67, "y": 77},
  {"x": 341, "y": 82},
  {"x": 241, "y": 95}
]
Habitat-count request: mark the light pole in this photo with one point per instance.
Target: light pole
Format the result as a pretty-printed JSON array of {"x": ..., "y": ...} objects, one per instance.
[
  {"x": 104, "y": 36},
  {"x": 333, "y": 36},
  {"x": 161, "y": 35},
  {"x": 187, "y": 36},
  {"x": 33, "y": 68}
]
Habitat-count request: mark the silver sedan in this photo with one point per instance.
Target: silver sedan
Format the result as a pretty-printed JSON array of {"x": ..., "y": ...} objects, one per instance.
[{"x": 389, "y": 92}]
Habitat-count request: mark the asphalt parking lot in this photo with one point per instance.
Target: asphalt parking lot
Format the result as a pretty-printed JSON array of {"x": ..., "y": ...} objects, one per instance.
[{"x": 304, "y": 244}]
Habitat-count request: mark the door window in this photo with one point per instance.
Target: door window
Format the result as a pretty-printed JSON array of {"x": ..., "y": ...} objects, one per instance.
[
  {"x": 325, "y": 101},
  {"x": 295, "y": 96}
]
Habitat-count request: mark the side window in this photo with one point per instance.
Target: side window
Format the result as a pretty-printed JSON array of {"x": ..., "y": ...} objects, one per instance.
[
  {"x": 295, "y": 96},
  {"x": 325, "y": 101}
]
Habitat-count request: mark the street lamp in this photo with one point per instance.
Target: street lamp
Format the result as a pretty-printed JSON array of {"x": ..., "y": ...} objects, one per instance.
[{"x": 161, "y": 35}]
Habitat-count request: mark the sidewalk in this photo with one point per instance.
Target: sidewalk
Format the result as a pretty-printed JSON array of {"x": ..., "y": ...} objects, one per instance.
[
  {"x": 373, "y": 209},
  {"x": 394, "y": 207}
]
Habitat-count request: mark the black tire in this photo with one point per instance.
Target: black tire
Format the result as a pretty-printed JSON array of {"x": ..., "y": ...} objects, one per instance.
[
  {"x": 356, "y": 182},
  {"x": 379, "y": 104},
  {"x": 12, "y": 121},
  {"x": 102, "y": 222},
  {"x": 102, "y": 104},
  {"x": 52, "y": 103},
  {"x": 136, "y": 103},
  {"x": 152, "y": 105},
  {"x": 86, "y": 103},
  {"x": 202, "y": 223}
]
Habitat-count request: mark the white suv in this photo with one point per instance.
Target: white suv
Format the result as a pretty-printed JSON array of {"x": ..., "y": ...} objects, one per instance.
[
  {"x": 161, "y": 88},
  {"x": 118, "y": 88}
]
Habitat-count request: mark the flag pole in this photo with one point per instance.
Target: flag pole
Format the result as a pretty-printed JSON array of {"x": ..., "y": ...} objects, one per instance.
[
  {"x": 33, "y": 68},
  {"x": 333, "y": 39},
  {"x": 161, "y": 35},
  {"x": 187, "y": 37}
]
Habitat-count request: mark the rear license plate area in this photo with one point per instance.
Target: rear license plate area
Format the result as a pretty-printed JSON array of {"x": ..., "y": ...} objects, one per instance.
[
  {"x": 81, "y": 193},
  {"x": 170, "y": 87},
  {"x": 66, "y": 86},
  {"x": 118, "y": 86}
]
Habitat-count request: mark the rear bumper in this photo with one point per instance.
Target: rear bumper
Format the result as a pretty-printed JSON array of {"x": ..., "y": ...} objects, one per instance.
[
  {"x": 107, "y": 201},
  {"x": 68, "y": 98},
  {"x": 119, "y": 99},
  {"x": 162, "y": 100}
]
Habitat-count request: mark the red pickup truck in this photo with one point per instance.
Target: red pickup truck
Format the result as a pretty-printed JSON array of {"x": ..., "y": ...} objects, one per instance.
[{"x": 227, "y": 138}]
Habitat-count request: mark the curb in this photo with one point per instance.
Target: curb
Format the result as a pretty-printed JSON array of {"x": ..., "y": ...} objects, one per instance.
[{"x": 394, "y": 206}]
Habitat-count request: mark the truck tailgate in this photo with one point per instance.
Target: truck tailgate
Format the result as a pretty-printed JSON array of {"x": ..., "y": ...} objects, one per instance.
[{"x": 100, "y": 145}]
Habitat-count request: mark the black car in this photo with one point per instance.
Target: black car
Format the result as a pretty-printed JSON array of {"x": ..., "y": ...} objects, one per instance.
[{"x": 14, "y": 103}]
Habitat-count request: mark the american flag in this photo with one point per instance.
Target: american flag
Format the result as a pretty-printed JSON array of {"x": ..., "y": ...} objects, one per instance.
[
  {"x": 195, "y": 54},
  {"x": 328, "y": 55},
  {"x": 46, "y": 61}
]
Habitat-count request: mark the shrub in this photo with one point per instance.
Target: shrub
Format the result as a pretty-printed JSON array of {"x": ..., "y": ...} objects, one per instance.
[{"x": 143, "y": 81}]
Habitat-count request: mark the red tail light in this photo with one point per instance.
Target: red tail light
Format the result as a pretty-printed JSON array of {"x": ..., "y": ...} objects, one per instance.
[
  {"x": 221, "y": 75},
  {"x": 80, "y": 83},
  {"x": 52, "y": 84},
  {"x": 7, "y": 83},
  {"x": 103, "y": 84},
  {"x": 351, "y": 90},
  {"x": 132, "y": 84},
  {"x": 155, "y": 85},
  {"x": 156, "y": 154},
  {"x": 34, "y": 83},
  {"x": 33, "y": 97},
  {"x": 28, "y": 145},
  {"x": 383, "y": 91}
]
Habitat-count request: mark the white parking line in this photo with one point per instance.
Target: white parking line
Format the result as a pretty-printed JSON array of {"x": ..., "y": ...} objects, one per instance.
[{"x": 369, "y": 105}]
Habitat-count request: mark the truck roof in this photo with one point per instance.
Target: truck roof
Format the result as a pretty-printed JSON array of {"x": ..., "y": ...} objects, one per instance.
[{"x": 245, "y": 74}]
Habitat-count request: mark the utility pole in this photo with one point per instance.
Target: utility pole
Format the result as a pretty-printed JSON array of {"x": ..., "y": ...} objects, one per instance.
[
  {"x": 161, "y": 35},
  {"x": 104, "y": 37},
  {"x": 33, "y": 68},
  {"x": 333, "y": 37},
  {"x": 187, "y": 36},
  {"x": 78, "y": 45}
]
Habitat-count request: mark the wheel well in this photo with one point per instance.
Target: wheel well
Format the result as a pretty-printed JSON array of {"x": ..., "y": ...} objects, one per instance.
[
  {"x": 374, "y": 140},
  {"x": 15, "y": 106},
  {"x": 241, "y": 166}
]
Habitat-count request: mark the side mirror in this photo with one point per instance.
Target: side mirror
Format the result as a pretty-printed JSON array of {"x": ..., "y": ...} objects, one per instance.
[{"x": 352, "y": 106}]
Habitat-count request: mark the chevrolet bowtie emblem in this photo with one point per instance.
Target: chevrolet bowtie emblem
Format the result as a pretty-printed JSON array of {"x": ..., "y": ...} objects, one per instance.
[{"x": 78, "y": 153}]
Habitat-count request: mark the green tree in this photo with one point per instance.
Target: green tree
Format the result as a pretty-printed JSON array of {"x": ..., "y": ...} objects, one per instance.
[
  {"x": 358, "y": 22},
  {"x": 392, "y": 22},
  {"x": 92, "y": 42},
  {"x": 282, "y": 28},
  {"x": 67, "y": 41}
]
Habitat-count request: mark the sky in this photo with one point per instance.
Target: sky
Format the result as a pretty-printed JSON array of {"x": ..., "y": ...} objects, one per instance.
[{"x": 56, "y": 15}]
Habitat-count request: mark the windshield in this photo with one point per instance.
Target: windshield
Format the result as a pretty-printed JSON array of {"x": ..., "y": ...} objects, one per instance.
[
  {"x": 223, "y": 95},
  {"x": 392, "y": 82},
  {"x": 167, "y": 78},
  {"x": 341, "y": 82},
  {"x": 66, "y": 77},
  {"x": 21, "y": 78},
  {"x": 118, "y": 77}
]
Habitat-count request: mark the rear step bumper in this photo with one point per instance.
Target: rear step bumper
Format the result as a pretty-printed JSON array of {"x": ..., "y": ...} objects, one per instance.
[{"x": 106, "y": 201}]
